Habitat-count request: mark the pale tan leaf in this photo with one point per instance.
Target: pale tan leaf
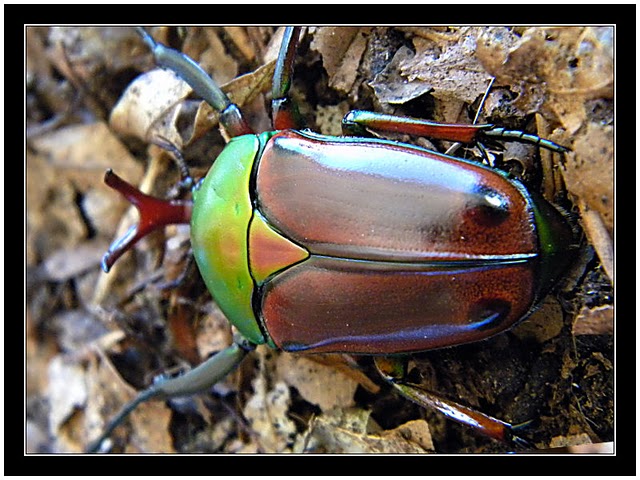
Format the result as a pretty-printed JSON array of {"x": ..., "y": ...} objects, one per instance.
[{"x": 318, "y": 384}]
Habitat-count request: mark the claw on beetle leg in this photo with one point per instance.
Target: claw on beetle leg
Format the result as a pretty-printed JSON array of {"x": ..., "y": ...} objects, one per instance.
[
  {"x": 154, "y": 214},
  {"x": 393, "y": 370}
]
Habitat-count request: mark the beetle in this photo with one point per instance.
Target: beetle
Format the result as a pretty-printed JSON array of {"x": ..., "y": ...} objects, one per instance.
[{"x": 313, "y": 243}]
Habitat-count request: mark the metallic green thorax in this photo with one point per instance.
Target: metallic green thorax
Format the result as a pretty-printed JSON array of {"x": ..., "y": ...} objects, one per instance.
[{"x": 221, "y": 215}]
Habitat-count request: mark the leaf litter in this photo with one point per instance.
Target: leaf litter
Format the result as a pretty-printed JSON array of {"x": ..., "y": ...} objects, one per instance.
[{"x": 81, "y": 121}]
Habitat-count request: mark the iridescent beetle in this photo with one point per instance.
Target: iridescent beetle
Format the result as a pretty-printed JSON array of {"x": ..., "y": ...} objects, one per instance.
[{"x": 313, "y": 243}]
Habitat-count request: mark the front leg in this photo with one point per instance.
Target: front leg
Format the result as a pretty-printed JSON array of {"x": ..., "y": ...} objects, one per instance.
[{"x": 194, "y": 381}]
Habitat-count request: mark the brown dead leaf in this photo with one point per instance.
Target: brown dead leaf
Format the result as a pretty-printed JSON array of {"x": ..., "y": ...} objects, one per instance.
[
  {"x": 150, "y": 429},
  {"x": 341, "y": 49},
  {"x": 82, "y": 153},
  {"x": 589, "y": 170},
  {"x": 75, "y": 329},
  {"x": 91, "y": 50},
  {"x": 241, "y": 40},
  {"x": 318, "y": 384},
  {"x": 107, "y": 394},
  {"x": 347, "y": 431},
  {"x": 599, "y": 236},
  {"x": 455, "y": 69},
  {"x": 150, "y": 106},
  {"x": 66, "y": 195},
  {"x": 52, "y": 216},
  {"x": 391, "y": 87},
  {"x": 154, "y": 105},
  {"x": 544, "y": 324},
  {"x": 266, "y": 411},
  {"x": 554, "y": 70},
  {"x": 241, "y": 91},
  {"x": 594, "y": 321},
  {"x": 444, "y": 65},
  {"x": 69, "y": 262}
]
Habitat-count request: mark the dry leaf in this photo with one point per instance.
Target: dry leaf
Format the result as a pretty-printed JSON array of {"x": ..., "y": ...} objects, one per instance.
[
  {"x": 107, "y": 394},
  {"x": 318, "y": 384},
  {"x": 82, "y": 153},
  {"x": 446, "y": 66},
  {"x": 241, "y": 91},
  {"x": 67, "y": 263},
  {"x": 594, "y": 321},
  {"x": 341, "y": 49},
  {"x": 346, "y": 431},
  {"x": 589, "y": 170},
  {"x": 67, "y": 392},
  {"x": 150, "y": 107},
  {"x": 205, "y": 47},
  {"x": 554, "y": 70},
  {"x": 266, "y": 411}
]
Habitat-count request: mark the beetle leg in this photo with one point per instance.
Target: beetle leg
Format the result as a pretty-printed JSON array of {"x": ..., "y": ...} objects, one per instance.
[
  {"x": 284, "y": 111},
  {"x": 154, "y": 213},
  {"x": 499, "y": 132},
  {"x": 199, "y": 379},
  {"x": 393, "y": 370},
  {"x": 357, "y": 122},
  {"x": 204, "y": 86}
]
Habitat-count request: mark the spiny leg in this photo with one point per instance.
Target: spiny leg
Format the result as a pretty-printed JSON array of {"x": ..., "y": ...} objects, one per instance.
[
  {"x": 204, "y": 86},
  {"x": 358, "y": 122},
  {"x": 393, "y": 370},
  {"x": 285, "y": 113},
  {"x": 198, "y": 380}
]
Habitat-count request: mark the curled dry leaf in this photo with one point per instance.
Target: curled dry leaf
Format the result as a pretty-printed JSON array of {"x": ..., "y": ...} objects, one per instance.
[
  {"x": 554, "y": 70},
  {"x": 150, "y": 107},
  {"x": 154, "y": 105}
]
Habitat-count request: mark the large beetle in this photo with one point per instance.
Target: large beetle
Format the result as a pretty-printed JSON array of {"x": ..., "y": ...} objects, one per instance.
[{"x": 314, "y": 243}]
